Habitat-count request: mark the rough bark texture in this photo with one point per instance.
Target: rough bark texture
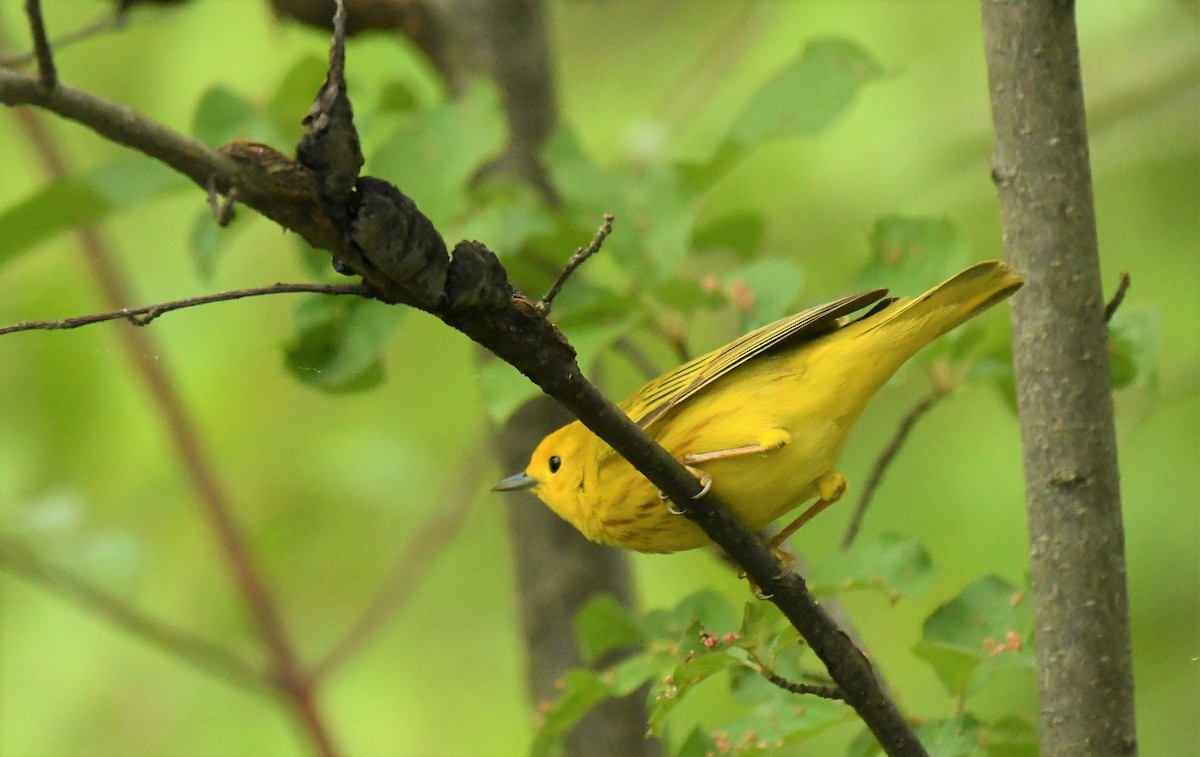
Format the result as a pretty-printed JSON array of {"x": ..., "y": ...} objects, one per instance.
[{"x": 1060, "y": 350}]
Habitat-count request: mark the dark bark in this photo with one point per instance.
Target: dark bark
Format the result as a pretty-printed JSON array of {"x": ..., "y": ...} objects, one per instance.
[{"x": 1072, "y": 490}]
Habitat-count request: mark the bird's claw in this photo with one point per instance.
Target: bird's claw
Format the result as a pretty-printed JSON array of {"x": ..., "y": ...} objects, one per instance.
[{"x": 705, "y": 487}]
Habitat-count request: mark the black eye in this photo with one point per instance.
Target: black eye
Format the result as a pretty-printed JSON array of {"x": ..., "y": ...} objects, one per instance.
[{"x": 555, "y": 463}]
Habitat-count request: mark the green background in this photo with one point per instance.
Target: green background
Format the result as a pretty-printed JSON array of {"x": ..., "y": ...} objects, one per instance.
[{"x": 330, "y": 487}]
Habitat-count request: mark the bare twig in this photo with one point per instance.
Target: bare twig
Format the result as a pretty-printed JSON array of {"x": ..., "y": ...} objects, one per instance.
[
  {"x": 411, "y": 564},
  {"x": 222, "y": 209},
  {"x": 108, "y": 22},
  {"x": 884, "y": 460},
  {"x": 20, "y": 561},
  {"x": 825, "y": 692},
  {"x": 638, "y": 357},
  {"x": 41, "y": 46},
  {"x": 142, "y": 316},
  {"x": 581, "y": 254},
  {"x": 1118, "y": 297}
]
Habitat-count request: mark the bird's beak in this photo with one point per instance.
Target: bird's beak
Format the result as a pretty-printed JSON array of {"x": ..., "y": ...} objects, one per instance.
[{"x": 520, "y": 480}]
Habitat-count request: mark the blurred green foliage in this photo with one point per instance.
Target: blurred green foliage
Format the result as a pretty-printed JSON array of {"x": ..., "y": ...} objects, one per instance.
[{"x": 759, "y": 158}]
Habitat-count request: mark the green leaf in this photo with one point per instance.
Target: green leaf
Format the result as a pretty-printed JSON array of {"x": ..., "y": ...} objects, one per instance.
[
  {"x": 707, "y": 607},
  {"x": 1133, "y": 342},
  {"x": 508, "y": 217},
  {"x": 909, "y": 254},
  {"x": 784, "y": 720},
  {"x": 317, "y": 263},
  {"x": 581, "y": 691},
  {"x": 504, "y": 389},
  {"x": 339, "y": 342},
  {"x": 807, "y": 95},
  {"x": 985, "y": 629},
  {"x": 435, "y": 153},
  {"x": 592, "y": 336},
  {"x": 863, "y": 745},
  {"x": 604, "y": 625},
  {"x": 208, "y": 239},
  {"x": 584, "y": 306},
  {"x": 398, "y": 97},
  {"x": 222, "y": 115},
  {"x": 700, "y": 176},
  {"x": 698, "y": 744},
  {"x": 764, "y": 290},
  {"x": 65, "y": 204},
  {"x": 892, "y": 563},
  {"x": 631, "y": 673},
  {"x": 741, "y": 231},
  {"x": 663, "y": 214},
  {"x": 291, "y": 99},
  {"x": 1009, "y": 737},
  {"x": 686, "y": 295},
  {"x": 697, "y": 667},
  {"x": 205, "y": 243},
  {"x": 655, "y": 211},
  {"x": 957, "y": 737}
]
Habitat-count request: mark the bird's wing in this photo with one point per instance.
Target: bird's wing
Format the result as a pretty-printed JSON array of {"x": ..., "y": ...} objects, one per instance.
[{"x": 659, "y": 396}]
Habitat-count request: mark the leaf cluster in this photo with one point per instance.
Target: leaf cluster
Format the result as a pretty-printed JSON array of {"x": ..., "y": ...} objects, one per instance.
[{"x": 705, "y": 642}]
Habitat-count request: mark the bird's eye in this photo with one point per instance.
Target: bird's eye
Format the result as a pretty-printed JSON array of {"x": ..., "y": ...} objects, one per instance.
[{"x": 555, "y": 463}]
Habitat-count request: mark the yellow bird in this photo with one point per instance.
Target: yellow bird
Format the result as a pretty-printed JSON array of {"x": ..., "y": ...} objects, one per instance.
[{"x": 762, "y": 419}]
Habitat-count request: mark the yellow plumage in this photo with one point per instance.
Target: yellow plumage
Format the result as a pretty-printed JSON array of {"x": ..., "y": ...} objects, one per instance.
[{"x": 765, "y": 416}]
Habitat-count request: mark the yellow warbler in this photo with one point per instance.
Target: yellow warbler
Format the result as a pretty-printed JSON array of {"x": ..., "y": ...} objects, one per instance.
[{"x": 763, "y": 419}]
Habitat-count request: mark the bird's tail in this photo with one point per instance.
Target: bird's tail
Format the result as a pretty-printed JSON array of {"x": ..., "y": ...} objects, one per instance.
[{"x": 922, "y": 319}]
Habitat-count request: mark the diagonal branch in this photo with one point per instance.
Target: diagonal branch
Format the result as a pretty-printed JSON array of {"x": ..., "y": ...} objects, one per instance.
[
  {"x": 411, "y": 564},
  {"x": 380, "y": 234},
  {"x": 22, "y": 562},
  {"x": 884, "y": 461}
]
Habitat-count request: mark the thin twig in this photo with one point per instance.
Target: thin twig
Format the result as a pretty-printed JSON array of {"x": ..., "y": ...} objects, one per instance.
[
  {"x": 581, "y": 254},
  {"x": 41, "y": 46},
  {"x": 883, "y": 461},
  {"x": 637, "y": 356},
  {"x": 411, "y": 564},
  {"x": 142, "y": 316},
  {"x": 1118, "y": 297},
  {"x": 108, "y": 22},
  {"x": 20, "y": 561},
  {"x": 825, "y": 692},
  {"x": 222, "y": 209}
]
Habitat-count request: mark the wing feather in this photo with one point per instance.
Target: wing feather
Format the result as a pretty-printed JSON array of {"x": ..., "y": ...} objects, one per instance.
[{"x": 658, "y": 397}]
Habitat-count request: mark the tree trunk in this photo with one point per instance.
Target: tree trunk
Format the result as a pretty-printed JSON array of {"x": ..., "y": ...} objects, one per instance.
[{"x": 1060, "y": 353}]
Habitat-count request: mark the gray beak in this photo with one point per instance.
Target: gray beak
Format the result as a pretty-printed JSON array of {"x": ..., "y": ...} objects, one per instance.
[{"x": 518, "y": 481}]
